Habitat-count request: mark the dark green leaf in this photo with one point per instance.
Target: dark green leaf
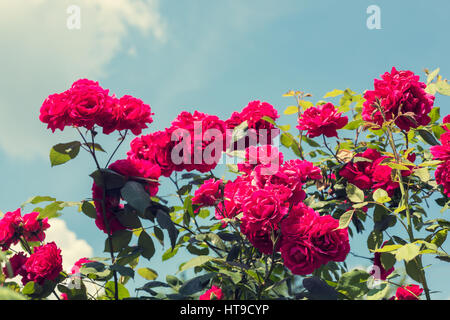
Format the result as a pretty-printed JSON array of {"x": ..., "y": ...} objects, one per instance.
[
  {"x": 63, "y": 152},
  {"x": 145, "y": 242}
]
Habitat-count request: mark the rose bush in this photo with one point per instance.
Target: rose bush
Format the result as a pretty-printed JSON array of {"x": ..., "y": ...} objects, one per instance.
[{"x": 271, "y": 227}]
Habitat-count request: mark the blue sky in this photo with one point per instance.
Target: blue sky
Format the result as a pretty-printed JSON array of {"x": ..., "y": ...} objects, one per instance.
[{"x": 213, "y": 56}]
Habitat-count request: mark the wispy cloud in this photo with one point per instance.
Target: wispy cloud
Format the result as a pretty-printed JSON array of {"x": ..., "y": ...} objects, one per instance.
[{"x": 40, "y": 56}]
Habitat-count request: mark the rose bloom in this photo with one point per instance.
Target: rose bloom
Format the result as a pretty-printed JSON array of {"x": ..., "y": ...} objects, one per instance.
[
  {"x": 112, "y": 205},
  {"x": 369, "y": 174},
  {"x": 132, "y": 168},
  {"x": 442, "y": 153},
  {"x": 399, "y": 92},
  {"x": 155, "y": 148},
  {"x": 127, "y": 113},
  {"x": 55, "y": 111},
  {"x": 322, "y": 120},
  {"x": 235, "y": 193},
  {"x": 259, "y": 130},
  {"x": 411, "y": 292},
  {"x": 330, "y": 243},
  {"x": 45, "y": 263},
  {"x": 33, "y": 228},
  {"x": 17, "y": 263},
  {"x": 208, "y": 193},
  {"x": 201, "y": 138},
  {"x": 10, "y": 226},
  {"x": 267, "y": 157},
  {"x": 294, "y": 174},
  {"x": 442, "y": 175},
  {"x": 89, "y": 103},
  {"x": 215, "y": 293}
]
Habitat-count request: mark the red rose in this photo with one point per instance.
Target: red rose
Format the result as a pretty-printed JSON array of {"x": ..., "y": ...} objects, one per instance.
[
  {"x": 299, "y": 257},
  {"x": 33, "y": 228},
  {"x": 44, "y": 264},
  {"x": 10, "y": 229},
  {"x": 442, "y": 175},
  {"x": 369, "y": 174},
  {"x": 112, "y": 205},
  {"x": 155, "y": 148},
  {"x": 402, "y": 98},
  {"x": 17, "y": 263},
  {"x": 128, "y": 113},
  {"x": 208, "y": 193},
  {"x": 132, "y": 168},
  {"x": 411, "y": 292},
  {"x": 89, "y": 103},
  {"x": 200, "y": 137},
  {"x": 215, "y": 293},
  {"x": 322, "y": 119},
  {"x": 267, "y": 157},
  {"x": 330, "y": 243},
  {"x": 235, "y": 193},
  {"x": 55, "y": 111},
  {"x": 79, "y": 264}
]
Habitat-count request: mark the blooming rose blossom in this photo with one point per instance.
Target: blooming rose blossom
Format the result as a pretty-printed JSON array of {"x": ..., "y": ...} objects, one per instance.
[
  {"x": 322, "y": 120},
  {"x": 155, "y": 148},
  {"x": 215, "y": 293},
  {"x": 132, "y": 168},
  {"x": 370, "y": 174},
  {"x": 33, "y": 228},
  {"x": 208, "y": 193},
  {"x": 411, "y": 292},
  {"x": 45, "y": 263},
  {"x": 201, "y": 138},
  {"x": 259, "y": 130},
  {"x": 112, "y": 205},
  {"x": 17, "y": 263},
  {"x": 267, "y": 157},
  {"x": 10, "y": 226},
  {"x": 402, "y": 98},
  {"x": 235, "y": 193},
  {"x": 128, "y": 113}
]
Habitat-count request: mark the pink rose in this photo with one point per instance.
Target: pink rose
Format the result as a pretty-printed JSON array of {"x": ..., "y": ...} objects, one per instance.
[
  {"x": 402, "y": 98},
  {"x": 322, "y": 120},
  {"x": 45, "y": 263},
  {"x": 79, "y": 264},
  {"x": 55, "y": 111},
  {"x": 10, "y": 226}
]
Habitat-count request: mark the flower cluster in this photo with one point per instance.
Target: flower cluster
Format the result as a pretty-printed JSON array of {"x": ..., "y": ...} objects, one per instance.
[
  {"x": 14, "y": 227},
  {"x": 87, "y": 104},
  {"x": 402, "y": 99},
  {"x": 274, "y": 217},
  {"x": 322, "y": 120}
]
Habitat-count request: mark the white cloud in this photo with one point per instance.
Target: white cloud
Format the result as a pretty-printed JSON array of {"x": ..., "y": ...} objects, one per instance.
[
  {"x": 40, "y": 56},
  {"x": 72, "y": 248}
]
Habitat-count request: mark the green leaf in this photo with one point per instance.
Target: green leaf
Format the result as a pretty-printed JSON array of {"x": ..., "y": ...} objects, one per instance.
[
  {"x": 428, "y": 137},
  {"x": 353, "y": 284},
  {"x": 121, "y": 291},
  {"x": 135, "y": 195},
  {"x": 374, "y": 240},
  {"x": 145, "y": 242},
  {"x": 318, "y": 289},
  {"x": 63, "y": 152},
  {"x": 96, "y": 146},
  {"x": 286, "y": 140},
  {"x": 108, "y": 177},
  {"x": 9, "y": 294},
  {"x": 413, "y": 270},
  {"x": 423, "y": 174},
  {"x": 435, "y": 114},
  {"x": 381, "y": 196},
  {"x": 345, "y": 219},
  {"x": 291, "y": 110},
  {"x": 432, "y": 75},
  {"x": 334, "y": 93},
  {"x": 37, "y": 199},
  {"x": 120, "y": 239},
  {"x": 440, "y": 237},
  {"x": 443, "y": 87},
  {"x": 166, "y": 222},
  {"x": 170, "y": 253},
  {"x": 353, "y": 125},
  {"x": 128, "y": 218},
  {"x": 196, "y": 284},
  {"x": 148, "y": 273},
  {"x": 389, "y": 248},
  {"x": 88, "y": 209},
  {"x": 195, "y": 262},
  {"x": 123, "y": 270},
  {"x": 30, "y": 288},
  {"x": 387, "y": 260},
  {"x": 407, "y": 252},
  {"x": 354, "y": 194}
]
